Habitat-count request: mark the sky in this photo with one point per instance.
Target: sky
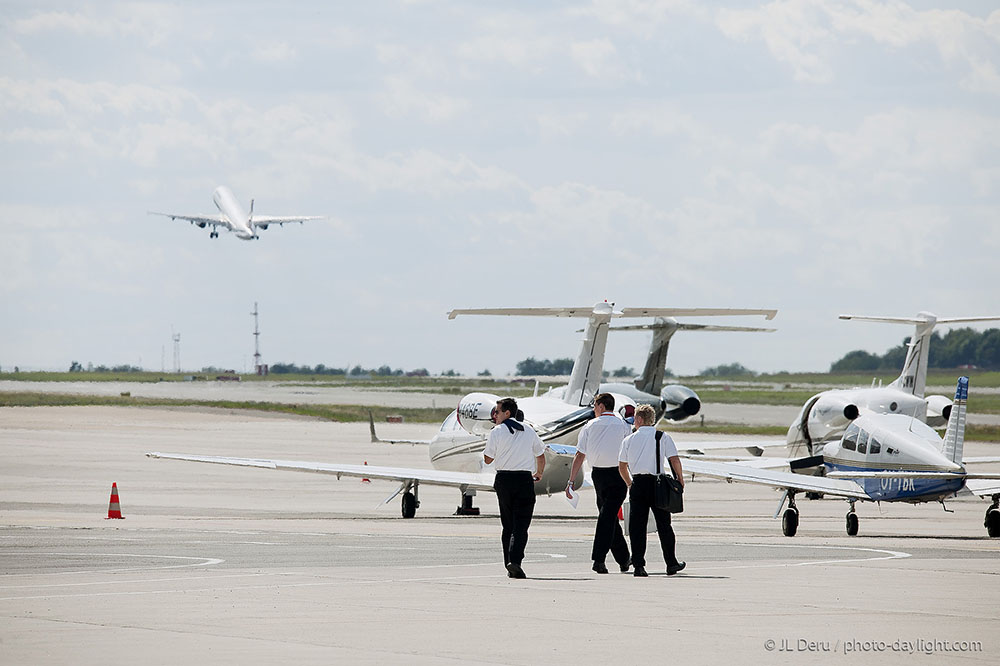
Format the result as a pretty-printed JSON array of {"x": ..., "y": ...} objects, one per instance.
[{"x": 814, "y": 157}]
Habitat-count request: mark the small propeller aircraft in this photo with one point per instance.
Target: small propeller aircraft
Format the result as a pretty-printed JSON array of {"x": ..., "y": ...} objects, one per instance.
[
  {"x": 878, "y": 458},
  {"x": 456, "y": 451},
  {"x": 231, "y": 217}
]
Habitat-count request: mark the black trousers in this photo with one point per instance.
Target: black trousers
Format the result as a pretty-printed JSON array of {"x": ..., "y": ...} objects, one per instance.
[
  {"x": 640, "y": 504},
  {"x": 516, "y": 497},
  {"x": 611, "y": 491}
]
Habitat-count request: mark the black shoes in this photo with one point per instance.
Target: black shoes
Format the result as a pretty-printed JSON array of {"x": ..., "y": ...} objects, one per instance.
[
  {"x": 600, "y": 567},
  {"x": 514, "y": 571},
  {"x": 640, "y": 572},
  {"x": 625, "y": 567},
  {"x": 674, "y": 568}
]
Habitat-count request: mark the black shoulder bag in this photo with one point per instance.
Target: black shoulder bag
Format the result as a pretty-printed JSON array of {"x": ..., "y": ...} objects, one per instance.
[{"x": 669, "y": 492}]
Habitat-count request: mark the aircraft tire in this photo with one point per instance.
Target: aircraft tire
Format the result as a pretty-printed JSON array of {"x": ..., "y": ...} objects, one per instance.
[
  {"x": 852, "y": 524},
  {"x": 409, "y": 504},
  {"x": 993, "y": 522},
  {"x": 790, "y": 522}
]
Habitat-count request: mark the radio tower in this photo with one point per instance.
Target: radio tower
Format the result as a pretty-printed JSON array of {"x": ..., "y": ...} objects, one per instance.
[{"x": 258, "y": 368}]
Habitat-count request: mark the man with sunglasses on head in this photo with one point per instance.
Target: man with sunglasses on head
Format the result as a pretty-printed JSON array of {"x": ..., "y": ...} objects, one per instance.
[{"x": 520, "y": 460}]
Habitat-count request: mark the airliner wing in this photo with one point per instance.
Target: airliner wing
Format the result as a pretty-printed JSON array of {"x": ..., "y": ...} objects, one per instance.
[
  {"x": 463, "y": 480},
  {"x": 214, "y": 220},
  {"x": 776, "y": 479},
  {"x": 264, "y": 220}
]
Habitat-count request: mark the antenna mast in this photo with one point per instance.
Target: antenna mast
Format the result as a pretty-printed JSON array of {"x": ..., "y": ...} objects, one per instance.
[
  {"x": 177, "y": 350},
  {"x": 259, "y": 368}
]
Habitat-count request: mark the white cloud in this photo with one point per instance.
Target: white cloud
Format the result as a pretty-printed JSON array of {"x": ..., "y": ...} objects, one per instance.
[
  {"x": 400, "y": 98},
  {"x": 274, "y": 52},
  {"x": 599, "y": 59}
]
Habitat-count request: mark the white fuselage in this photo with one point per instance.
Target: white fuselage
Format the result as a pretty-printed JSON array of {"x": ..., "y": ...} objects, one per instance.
[
  {"x": 236, "y": 219},
  {"x": 455, "y": 449}
]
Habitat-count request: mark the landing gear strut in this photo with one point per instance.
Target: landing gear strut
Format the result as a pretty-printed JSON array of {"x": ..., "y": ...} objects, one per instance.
[
  {"x": 410, "y": 502},
  {"x": 992, "y": 522},
  {"x": 852, "y": 522},
  {"x": 466, "y": 508},
  {"x": 790, "y": 519}
]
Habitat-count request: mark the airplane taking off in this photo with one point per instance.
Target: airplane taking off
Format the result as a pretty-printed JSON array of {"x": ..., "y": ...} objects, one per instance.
[
  {"x": 232, "y": 217},
  {"x": 674, "y": 402},
  {"x": 879, "y": 458},
  {"x": 456, "y": 451},
  {"x": 826, "y": 415}
]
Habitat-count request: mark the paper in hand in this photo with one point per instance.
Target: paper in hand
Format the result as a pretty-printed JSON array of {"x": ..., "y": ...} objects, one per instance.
[{"x": 574, "y": 497}]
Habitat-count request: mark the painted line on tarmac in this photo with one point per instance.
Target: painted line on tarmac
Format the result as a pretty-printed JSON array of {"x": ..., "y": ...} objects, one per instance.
[
  {"x": 885, "y": 555},
  {"x": 204, "y": 562}
]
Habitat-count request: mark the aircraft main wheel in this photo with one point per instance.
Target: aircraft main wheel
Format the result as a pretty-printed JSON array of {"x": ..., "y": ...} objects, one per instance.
[
  {"x": 993, "y": 522},
  {"x": 852, "y": 524},
  {"x": 790, "y": 522},
  {"x": 409, "y": 505}
]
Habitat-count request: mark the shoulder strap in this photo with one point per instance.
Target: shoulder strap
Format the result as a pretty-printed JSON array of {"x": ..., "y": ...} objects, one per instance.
[{"x": 659, "y": 434}]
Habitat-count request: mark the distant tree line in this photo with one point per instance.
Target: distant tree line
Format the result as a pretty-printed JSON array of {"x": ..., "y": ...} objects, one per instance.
[
  {"x": 958, "y": 347},
  {"x": 356, "y": 371},
  {"x": 728, "y": 370},
  {"x": 76, "y": 367}
]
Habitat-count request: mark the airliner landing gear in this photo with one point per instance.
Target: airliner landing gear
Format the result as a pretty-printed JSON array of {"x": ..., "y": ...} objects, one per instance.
[
  {"x": 992, "y": 522},
  {"x": 410, "y": 502},
  {"x": 852, "y": 522},
  {"x": 790, "y": 519},
  {"x": 214, "y": 234},
  {"x": 466, "y": 508}
]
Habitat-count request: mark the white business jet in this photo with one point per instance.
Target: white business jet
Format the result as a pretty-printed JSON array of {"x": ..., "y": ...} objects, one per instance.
[
  {"x": 879, "y": 458},
  {"x": 826, "y": 415},
  {"x": 456, "y": 451},
  {"x": 231, "y": 217}
]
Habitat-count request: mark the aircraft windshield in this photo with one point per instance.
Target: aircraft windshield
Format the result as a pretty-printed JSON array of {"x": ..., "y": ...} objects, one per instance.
[{"x": 851, "y": 437}]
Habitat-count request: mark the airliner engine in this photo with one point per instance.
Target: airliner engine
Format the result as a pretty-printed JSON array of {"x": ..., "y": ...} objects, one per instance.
[
  {"x": 822, "y": 418},
  {"x": 475, "y": 412},
  {"x": 938, "y": 410}
]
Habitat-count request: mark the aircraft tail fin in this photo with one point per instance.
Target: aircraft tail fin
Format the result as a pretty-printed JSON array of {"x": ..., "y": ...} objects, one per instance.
[
  {"x": 954, "y": 436},
  {"x": 589, "y": 366}
]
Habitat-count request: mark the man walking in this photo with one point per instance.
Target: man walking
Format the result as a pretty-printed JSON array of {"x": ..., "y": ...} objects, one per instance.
[
  {"x": 600, "y": 441},
  {"x": 520, "y": 461},
  {"x": 637, "y": 465}
]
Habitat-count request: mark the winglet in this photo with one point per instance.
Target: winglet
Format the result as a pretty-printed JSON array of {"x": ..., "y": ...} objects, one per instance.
[{"x": 371, "y": 426}]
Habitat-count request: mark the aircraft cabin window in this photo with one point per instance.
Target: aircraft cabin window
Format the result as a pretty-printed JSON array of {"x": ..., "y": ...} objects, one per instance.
[{"x": 874, "y": 446}]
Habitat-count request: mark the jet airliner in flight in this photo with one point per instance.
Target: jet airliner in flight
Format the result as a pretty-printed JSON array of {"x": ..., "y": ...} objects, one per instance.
[{"x": 232, "y": 217}]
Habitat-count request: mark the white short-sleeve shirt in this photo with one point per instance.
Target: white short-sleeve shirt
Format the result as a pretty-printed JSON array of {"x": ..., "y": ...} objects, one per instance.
[
  {"x": 601, "y": 440},
  {"x": 513, "y": 451},
  {"x": 639, "y": 451}
]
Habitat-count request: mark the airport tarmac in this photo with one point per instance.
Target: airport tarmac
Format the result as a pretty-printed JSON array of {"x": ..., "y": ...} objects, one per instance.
[{"x": 231, "y": 565}]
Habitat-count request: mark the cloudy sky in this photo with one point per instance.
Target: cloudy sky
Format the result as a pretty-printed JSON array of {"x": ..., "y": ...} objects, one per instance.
[{"x": 814, "y": 157}]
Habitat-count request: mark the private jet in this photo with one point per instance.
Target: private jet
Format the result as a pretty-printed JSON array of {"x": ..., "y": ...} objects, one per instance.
[
  {"x": 233, "y": 218},
  {"x": 456, "y": 451}
]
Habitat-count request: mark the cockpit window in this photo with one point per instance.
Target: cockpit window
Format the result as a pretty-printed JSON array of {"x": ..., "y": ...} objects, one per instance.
[
  {"x": 874, "y": 446},
  {"x": 849, "y": 441},
  {"x": 450, "y": 423},
  {"x": 863, "y": 442}
]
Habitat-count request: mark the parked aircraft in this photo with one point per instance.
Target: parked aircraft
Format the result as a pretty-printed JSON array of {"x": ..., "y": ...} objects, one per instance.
[
  {"x": 878, "y": 458},
  {"x": 673, "y": 402},
  {"x": 826, "y": 415},
  {"x": 232, "y": 217},
  {"x": 456, "y": 450}
]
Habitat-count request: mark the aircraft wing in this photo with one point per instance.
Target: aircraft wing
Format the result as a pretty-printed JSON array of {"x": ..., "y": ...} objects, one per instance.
[
  {"x": 378, "y": 440},
  {"x": 264, "y": 220},
  {"x": 775, "y": 479},
  {"x": 697, "y": 448},
  {"x": 756, "y": 462},
  {"x": 980, "y": 459},
  {"x": 463, "y": 480},
  {"x": 983, "y": 487},
  {"x": 214, "y": 220}
]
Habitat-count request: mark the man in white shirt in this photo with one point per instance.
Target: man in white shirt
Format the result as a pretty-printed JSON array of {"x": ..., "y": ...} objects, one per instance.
[
  {"x": 600, "y": 441},
  {"x": 637, "y": 465},
  {"x": 520, "y": 460}
]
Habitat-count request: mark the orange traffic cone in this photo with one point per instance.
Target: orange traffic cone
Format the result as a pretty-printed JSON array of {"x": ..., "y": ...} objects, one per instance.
[
  {"x": 366, "y": 480},
  {"x": 114, "y": 509}
]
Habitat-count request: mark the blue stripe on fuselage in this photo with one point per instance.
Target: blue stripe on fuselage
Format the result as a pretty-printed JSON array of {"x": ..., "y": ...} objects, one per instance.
[{"x": 901, "y": 489}]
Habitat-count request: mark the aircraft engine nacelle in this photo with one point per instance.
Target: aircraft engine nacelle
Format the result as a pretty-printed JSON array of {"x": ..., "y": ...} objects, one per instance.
[
  {"x": 475, "y": 412},
  {"x": 202, "y": 224},
  {"x": 262, "y": 226},
  {"x": 679, "y": 402},
  {"x": 829, "y": 416},
  {"x": 938, "y": 410}
]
